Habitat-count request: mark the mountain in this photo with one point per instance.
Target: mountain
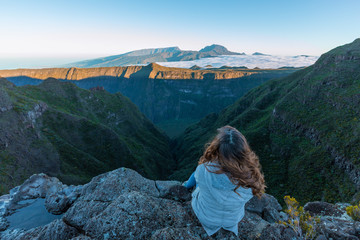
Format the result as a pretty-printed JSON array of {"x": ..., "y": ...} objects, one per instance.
[
  {"x": 146, "y": 56},
  {"x": 305, "y": 128},
  {"x": 173, "y": 98},
  {"x": 74, "y": 134},
  {"x": 260, "y": 54},
  {"x": 217, "y": 50}
]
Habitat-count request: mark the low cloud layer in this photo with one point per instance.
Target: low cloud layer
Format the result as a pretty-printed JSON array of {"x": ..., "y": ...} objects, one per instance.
[{"x": 249, "y": 61}]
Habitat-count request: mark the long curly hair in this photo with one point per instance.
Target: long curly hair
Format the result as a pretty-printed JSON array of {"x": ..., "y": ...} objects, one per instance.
[{"x": 230, "y": 150}]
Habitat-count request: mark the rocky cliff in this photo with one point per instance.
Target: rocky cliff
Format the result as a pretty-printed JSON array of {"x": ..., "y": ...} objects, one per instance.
[
  {"x": 151, "y": 71},
  {"x": 121, "y": 204},
  {"x": 305, "y": 128},
  {"x": 162, "y": 94},
  {"x": 74, "y": 134}
]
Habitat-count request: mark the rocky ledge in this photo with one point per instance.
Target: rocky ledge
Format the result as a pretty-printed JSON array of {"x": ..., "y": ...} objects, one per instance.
[
  {"x": 151, "y": 71},
  {"x": 122, "y": 204}
]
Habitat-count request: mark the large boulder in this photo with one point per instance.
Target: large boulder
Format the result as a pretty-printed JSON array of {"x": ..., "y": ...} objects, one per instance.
[
  {"x": 59, "y": 202},
  {"x": 56, "y": 230},
  {"x": 323, "y": 209},
  {"x": 37, "y": 186},
  {"x": 122, "y": 204},
  {"x": 258, "y": 205}
]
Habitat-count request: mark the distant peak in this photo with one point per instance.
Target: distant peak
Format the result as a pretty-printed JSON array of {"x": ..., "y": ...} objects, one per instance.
[
  {"x": 213, "y": 47},
  {"x": 260, "y": 54},
  {"x": 216, "y": 49},
  {"x": 174, "y": 48},
  {"x": 154, "y": 65}
]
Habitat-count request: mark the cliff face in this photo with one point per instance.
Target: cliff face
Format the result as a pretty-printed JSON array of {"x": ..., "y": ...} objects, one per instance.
[
  {"x": 305, "y": 128},
  {"x": 162, "y": 94},
  {"x": 151, "y": 71},
  {"x": 74, "y": 134}
]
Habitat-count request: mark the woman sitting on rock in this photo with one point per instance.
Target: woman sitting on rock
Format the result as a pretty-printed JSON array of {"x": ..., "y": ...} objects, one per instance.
[{"x": 228, "y": 175}]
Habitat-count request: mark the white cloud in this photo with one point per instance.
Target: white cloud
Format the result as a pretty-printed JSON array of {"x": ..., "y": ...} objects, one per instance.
[{"x": 249, "y": 61}]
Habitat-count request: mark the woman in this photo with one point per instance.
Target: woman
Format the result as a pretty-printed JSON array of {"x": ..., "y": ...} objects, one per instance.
[{"x": 228, "y": 175}]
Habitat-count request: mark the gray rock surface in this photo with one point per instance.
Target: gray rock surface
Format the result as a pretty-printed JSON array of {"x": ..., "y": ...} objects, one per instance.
[
  {"x": 59, "y": 202},
  {"x": 3, "y": 224},
  {"x": 56, "y": 230},
  {"x": 323, "y": 209},
  {"x": 37, "y": 186},
  {"x": 258, "y": 205},
  {"x": 122, "y": 204}
]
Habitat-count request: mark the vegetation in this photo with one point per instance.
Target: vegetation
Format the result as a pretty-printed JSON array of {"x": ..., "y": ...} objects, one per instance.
[
  {"x": 354, "y": 212},
  {"x": 299, "y": 220},
  {"x": 75, "y": 134},
  {"x": 298, "y": 125}
]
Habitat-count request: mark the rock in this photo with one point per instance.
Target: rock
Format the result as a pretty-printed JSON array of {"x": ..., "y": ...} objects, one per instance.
[
  {"x": 278, "y": 232},
  {"x": 152, "y": 71},
  {"x": 81, "y": 237},
  {"x": 271, "y": 214},
  {"x": 321, "y": 237},
  {"x": 252, "y": 225},
  {"x": 258, "y": 205},
  {"x": 337, "y": 228},
  {"x": 122, "y": 204},
  {"x": 108, "y": 186},
  {"x": 176, "y": 233},
  {"x": 99, "y": 193},
  {"x": 4, "y": 203},
  {"x": 137, "y": 215},
  {"x": 59, "y": 202},
  {"x": 37, "y": 186},
  {"x": 323, "y": 209},
  {"x": 163, "y": 186},
  {"x": 283, "y": 216},
  {"x": 56, "y": 230},
  {"x": 177, "y": 193},
  {"x": 3, "y": 224}
]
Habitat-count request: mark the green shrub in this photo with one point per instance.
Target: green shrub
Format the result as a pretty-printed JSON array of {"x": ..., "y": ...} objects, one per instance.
[
  {"x": 354, "y": 212},
  {"x": 299, "y": 219}
]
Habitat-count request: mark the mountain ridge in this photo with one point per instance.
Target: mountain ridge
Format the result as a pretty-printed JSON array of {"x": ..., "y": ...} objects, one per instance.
[
  {"x": 304, "y": 127},
  {"x": 74, "y": 134},
  {"x": 152, "y": 70},
  {"x": 146, "y": 56}
]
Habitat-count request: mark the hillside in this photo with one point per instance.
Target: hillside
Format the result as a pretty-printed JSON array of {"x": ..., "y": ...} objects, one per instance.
[
  {"x": 146, "y": 56},
  {"x": 74, "y": 134},
  {"x": 304, "y": 127},
  {"x": 170, "y": 97}
]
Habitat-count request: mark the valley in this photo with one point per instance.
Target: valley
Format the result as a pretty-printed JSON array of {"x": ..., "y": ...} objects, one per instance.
[
  {"x": 303, "y": 124},
  {"x": 173, "y": 97},
  {"x": 304, "y": 127},
  {"x": 74, "y": 134}
]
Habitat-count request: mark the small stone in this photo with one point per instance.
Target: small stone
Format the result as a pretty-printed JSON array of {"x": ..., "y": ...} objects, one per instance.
[
  {"x": 271, "y": 214},
  {"x": 3, "y": 224},
  {"x": 321, "y": 237}
]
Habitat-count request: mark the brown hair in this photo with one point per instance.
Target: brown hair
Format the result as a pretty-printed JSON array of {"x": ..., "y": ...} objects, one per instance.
[{"x": 232, "y": 152}]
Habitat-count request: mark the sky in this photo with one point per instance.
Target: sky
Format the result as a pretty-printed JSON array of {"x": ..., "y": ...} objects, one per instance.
[{"x": 62, "y": 31}]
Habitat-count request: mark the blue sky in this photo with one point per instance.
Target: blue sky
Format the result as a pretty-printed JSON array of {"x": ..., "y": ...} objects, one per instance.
[{"x": 79, "y": 29}]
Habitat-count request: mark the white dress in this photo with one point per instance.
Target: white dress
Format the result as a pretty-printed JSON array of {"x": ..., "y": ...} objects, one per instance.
[{"x": 214, "y": 201}]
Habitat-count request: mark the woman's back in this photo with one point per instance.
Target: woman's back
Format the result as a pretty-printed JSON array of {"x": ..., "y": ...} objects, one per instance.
[{"x": 215, "y": 202}]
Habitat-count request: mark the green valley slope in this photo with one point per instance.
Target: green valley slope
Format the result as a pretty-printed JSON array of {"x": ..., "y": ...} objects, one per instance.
[
  {"x": 169, "y": 97},
  {"x": 74, "y": 134},
  {"x": 305, "y": 128}
]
